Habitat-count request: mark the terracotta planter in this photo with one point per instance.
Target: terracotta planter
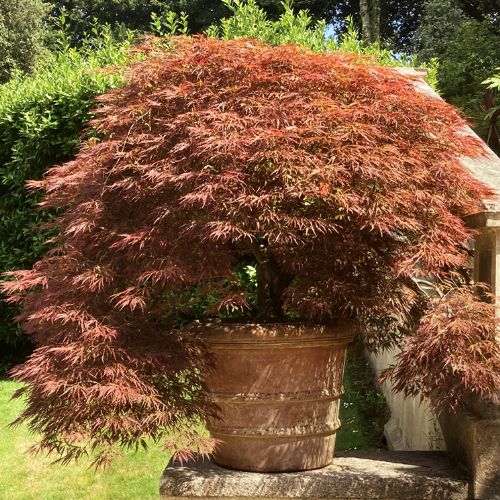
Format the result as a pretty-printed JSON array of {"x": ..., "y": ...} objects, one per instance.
[{"x": 278, "y": 388}]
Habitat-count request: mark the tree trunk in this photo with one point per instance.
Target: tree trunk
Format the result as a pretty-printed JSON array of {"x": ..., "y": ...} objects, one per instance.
[
  {"x": 375, "y": 19},
  {"x": 370, "y": 19},
  {"x": 271, "y": 283}
]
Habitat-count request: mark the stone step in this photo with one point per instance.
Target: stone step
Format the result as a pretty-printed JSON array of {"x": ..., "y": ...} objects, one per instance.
[{"x": 387, "y": 475}]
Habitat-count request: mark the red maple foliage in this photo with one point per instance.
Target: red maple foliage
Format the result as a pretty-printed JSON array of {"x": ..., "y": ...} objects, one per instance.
[
  {"x": 453, "y": 354},
  {"x": 333, "y": 174}
]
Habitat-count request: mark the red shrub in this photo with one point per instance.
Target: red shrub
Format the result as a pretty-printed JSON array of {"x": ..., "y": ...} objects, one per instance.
[
  {"x": 332, "y": 173},
  {"x": 453, "y": 355}
]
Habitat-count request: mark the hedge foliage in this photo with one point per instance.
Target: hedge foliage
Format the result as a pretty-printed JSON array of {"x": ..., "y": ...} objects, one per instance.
[
  {"x": 249, "y": 20},
  {"x": 42, "y": 117}
]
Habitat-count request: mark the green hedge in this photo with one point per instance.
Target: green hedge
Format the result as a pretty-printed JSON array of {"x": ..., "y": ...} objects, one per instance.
[{"x": 42, "y": 117}]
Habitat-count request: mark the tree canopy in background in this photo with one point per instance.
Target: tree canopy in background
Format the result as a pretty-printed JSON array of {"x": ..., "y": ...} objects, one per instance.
[
  {"x": 481, "y": 10},
  {"x": 465, "y": 37},
  {"x": 440, "y": 20},
  {"x": 397, "y": 21},
  {"x": 21, "y": 35},
  {"x": 136, "y": 14}
]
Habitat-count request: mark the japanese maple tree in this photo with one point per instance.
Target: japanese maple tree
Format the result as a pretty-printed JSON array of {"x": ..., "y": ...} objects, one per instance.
[{"x": 333, "y": 175}]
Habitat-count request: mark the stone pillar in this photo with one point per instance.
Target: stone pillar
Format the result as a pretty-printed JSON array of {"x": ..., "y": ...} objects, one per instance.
[
  {"x": 487, "y": 254},
  {"x": 473, "y": 440}
]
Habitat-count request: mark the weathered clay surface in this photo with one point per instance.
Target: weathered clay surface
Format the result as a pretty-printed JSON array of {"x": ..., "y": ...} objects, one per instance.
[
  {"x": 278, "y": 388},
  {"x": 360, "y": 475}
]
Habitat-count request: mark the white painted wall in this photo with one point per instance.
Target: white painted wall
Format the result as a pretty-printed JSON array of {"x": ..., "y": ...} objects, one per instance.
[{"x": 413, "y": 425}]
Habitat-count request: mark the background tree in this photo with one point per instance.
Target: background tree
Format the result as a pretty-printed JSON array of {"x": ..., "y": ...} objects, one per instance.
[
  {"x": 481, "y": 10},
  {"x": 21, "y": 35},
  {"x": 392, "y": 21},
  {"x": 203, "y": 13},
  {"x": 83, "y": 15},
  {"x": 440, "y": 20},
  {"x": 465, "y": 37},
  {"x": 470, "y": 56},
  {"x": 398, "y": 22},
  {"x": 397, "y": 19},
  {"x": 492, "y": 110},
  {"x": 400, "y": 19}
]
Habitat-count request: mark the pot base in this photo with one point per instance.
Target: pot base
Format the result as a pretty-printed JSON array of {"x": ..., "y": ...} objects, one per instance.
[{"x": 293, "y": 454}]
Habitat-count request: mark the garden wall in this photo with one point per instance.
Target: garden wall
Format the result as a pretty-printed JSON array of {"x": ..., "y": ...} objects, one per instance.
[{"x": 413, "y": 425}]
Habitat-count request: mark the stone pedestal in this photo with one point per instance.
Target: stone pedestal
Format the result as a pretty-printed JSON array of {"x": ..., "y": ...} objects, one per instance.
[
  {"x": 473, "y": 439},
  {"x": 353, "y": 475}
]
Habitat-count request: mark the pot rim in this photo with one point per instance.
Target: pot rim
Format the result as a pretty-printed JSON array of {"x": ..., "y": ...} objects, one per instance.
[{"x": 274, "y": 334}]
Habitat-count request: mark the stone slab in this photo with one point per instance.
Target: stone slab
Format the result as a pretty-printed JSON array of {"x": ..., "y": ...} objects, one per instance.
[{"x": 353, "y": 475}]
